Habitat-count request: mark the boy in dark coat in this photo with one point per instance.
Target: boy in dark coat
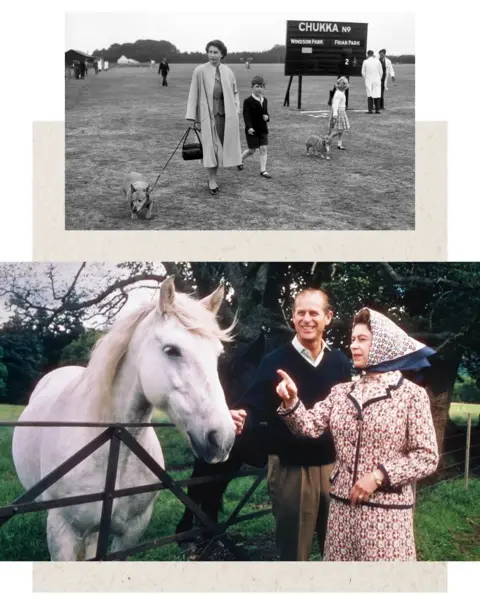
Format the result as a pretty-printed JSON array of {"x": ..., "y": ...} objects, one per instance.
[{"x": 255, "y": 116}]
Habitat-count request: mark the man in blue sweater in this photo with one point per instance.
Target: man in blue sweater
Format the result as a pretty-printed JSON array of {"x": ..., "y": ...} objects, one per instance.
[{"x": 298, "y": 467}]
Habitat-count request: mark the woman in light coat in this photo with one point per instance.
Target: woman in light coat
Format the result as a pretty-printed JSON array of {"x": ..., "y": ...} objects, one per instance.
[
  {"x": 214, "y": 103},
  {"x": 372, "y": 73},
  {"x": 384, "y": 436}
]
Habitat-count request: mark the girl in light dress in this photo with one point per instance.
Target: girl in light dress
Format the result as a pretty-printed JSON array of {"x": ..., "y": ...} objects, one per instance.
[{"x": 338, "y": 120}]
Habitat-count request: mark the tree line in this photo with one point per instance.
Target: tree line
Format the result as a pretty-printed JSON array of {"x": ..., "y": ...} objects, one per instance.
[{"x": 146, "y": 50}]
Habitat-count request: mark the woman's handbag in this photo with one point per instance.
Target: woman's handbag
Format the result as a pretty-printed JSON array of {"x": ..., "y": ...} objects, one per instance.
[{"x": 192, "y": 150}]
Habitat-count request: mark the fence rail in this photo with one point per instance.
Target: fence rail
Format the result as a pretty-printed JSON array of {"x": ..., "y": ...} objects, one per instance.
[{"x": 116, "y": 434}]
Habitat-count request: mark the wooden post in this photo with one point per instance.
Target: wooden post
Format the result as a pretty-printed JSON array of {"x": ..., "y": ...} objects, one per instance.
[
  {"x": 286, "y": 102},
  {"x": 467, "y": 455},
  {"x": 299, "y": 102}
]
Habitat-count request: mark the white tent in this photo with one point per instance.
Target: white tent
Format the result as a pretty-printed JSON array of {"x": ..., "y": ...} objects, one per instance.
[{"x": 124, "y": 61}]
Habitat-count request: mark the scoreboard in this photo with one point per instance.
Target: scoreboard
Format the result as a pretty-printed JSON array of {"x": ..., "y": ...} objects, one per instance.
[{"x": 318, "y": 47}]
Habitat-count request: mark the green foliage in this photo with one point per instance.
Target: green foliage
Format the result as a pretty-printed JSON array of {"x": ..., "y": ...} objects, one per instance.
[
  {"x": 3, "y": 375},
  {"x": 23, "y": 358},
  {"x": 79, "y": 350},
  {"x": 466, "y": 390}
]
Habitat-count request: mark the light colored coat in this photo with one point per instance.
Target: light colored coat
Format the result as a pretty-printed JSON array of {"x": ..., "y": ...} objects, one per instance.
[
  {"x": 199, "y": 108},
  {"x": 372, "y": 73}
]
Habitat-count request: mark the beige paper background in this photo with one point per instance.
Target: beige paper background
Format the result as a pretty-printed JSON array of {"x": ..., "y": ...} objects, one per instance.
[
  {"x": 427, "y": 242},
  {"x": 240, "y": 577}
]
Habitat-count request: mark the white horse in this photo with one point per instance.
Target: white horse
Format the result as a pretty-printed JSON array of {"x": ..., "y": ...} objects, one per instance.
[{"x": 162, "y": 356}]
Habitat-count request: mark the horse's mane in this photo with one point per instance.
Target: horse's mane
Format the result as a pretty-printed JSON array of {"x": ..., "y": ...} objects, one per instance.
[{"x": 109, "y": 350}]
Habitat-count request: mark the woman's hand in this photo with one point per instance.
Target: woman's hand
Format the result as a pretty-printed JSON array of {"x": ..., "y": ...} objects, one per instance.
[
  {"x": 287, "y": 389},
  {"x": 265, "y": 117},
  {"x": 363, "y": 488},
  {"x": 251, "y": 131}
]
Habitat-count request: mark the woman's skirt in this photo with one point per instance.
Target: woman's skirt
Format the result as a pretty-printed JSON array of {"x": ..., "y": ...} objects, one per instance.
[
  {"x": 220, "y": 126},
  {"x": 364, "y": 533},
  {"x": 342, "y": 122}
]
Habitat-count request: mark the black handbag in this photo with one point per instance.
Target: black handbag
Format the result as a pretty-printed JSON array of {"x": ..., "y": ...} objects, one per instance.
[{"x": 192, "y": 150}]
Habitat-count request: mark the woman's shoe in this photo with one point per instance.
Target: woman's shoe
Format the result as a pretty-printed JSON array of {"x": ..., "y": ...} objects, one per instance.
[
  {"x": 265, "y": 174},
  {"x": 213, "y": 191},
  {"x": 240, "y": 167},
  {"x": 341, "y": 147}
]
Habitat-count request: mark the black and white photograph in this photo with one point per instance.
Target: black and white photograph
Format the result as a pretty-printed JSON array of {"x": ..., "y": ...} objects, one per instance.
[{"x": 223, "y": 121}]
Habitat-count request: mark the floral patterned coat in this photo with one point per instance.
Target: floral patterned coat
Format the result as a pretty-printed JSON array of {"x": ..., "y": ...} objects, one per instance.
[{"x": 380, "y": 421}]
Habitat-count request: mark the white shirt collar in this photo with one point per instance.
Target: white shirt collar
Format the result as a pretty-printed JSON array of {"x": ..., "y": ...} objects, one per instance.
[{"x": 307, "y": 355}]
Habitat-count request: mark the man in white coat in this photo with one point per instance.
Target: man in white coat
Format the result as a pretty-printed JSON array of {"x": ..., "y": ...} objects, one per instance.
[
  {"x": 387, "y": 70},
  {"x": 372, "y": 73}
]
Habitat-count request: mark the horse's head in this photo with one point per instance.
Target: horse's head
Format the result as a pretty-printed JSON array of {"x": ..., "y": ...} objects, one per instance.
[{"x": 177, "y": 369}]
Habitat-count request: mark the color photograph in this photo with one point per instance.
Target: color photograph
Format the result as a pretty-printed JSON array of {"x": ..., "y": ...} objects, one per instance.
[{"x": 239, "y": 411}]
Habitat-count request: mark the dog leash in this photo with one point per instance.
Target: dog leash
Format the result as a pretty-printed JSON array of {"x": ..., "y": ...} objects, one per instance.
[{"x": 183, "y": 139}]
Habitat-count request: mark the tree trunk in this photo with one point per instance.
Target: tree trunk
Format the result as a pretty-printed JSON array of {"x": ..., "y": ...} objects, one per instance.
[{"x": 440, "y": 380}]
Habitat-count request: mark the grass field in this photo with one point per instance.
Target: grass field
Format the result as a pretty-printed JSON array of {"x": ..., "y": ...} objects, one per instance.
[
  {"x": 125, "y": 120},
  {"x": 459, "y": 413},
  {"x": 447, "y": 519}
]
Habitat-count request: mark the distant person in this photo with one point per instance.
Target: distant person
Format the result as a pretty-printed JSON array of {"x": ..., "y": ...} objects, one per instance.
[
  {"x": 100, "y": 64},
  {"x": 255, "y": 116},
  {"x": 164, "y": 68},
  {"x": 83, "y": 69},
  {"x": 95, "y": 65},
  {"x": 338, "y": 117},
  {"x": 105, "y": 64},
  {"x": 372, "y": 74},
  {"x": 387, "y": 69},
  {"x": 214, "y": 103},
  {"x": 247, "y": 64}
]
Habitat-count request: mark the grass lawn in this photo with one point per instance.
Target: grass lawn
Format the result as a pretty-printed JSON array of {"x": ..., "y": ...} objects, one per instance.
[
  {"x": 124, "y": 120},
  {"x": 447, "y": 519},
  {"x": 459, "y": 413}
]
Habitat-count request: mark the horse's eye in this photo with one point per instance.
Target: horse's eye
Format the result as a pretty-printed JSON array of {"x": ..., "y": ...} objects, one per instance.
[{"x": 172, "y": 351}]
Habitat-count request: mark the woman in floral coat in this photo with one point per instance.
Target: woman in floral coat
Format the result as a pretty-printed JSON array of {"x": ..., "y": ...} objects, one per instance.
[{"x": 384, "y": 437}]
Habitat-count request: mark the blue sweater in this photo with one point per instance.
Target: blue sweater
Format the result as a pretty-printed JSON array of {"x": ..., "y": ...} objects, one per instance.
[{"x": 313, "y": 383}]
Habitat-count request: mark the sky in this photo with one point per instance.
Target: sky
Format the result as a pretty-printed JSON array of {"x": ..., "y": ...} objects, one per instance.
[
  {"x": 239, "y": 31},
  {"x": 138, "y": 294}
]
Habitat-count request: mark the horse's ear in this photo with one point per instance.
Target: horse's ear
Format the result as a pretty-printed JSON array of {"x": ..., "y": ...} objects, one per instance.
[
  {"x": 167, "y": 295},
  {"x": 214, "y": 300}
]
